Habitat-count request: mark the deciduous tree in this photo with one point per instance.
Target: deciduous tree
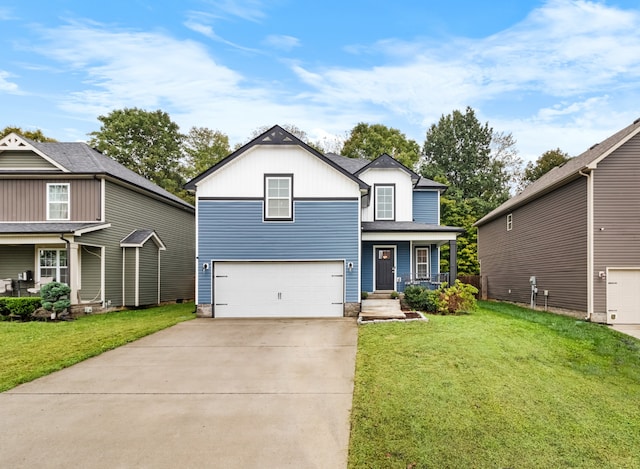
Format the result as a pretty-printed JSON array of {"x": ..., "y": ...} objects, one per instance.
[
  {"x": 372, "y": 140},
  {"x": 35, "y": 135},
  {"x": 545, "y": 163},
  {"x": 147, "y": 142},
  {"x": 203, "y": 148}
]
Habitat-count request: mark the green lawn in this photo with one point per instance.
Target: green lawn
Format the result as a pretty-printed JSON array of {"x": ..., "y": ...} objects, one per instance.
[
  {"x": 504, "y": 387},
  {"x": 33, "y": 349}
]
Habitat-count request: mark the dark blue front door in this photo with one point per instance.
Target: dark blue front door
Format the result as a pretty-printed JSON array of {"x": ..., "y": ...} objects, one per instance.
[{"x": 385, "y": 269}]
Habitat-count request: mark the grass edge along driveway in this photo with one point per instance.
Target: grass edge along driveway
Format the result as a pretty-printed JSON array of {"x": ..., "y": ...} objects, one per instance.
[
  {"x": 504, "y": 387},
  {"x": 30, "y": 350}
]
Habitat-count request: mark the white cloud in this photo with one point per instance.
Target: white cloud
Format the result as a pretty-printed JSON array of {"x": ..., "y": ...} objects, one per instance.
[
  {"x": 6, "y": 85},
  {"x": 250, "y": 10},
  {"x": 282, "y": 42}
]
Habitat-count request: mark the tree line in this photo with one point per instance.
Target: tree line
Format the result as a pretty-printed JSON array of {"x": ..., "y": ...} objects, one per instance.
[{"x": 480, "y": 165}]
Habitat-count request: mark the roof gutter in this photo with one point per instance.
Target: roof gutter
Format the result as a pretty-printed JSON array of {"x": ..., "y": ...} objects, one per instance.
[{"x": 590, "y": 248}]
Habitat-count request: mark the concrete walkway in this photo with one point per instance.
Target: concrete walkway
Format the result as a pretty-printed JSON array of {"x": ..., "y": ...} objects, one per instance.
[
  {"x": 630, "y": 329},
  {"x": 204, "y": 393}
]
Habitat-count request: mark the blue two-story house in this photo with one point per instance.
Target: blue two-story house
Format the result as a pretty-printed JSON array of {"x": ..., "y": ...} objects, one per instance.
[{"x": 286, "y": 231}]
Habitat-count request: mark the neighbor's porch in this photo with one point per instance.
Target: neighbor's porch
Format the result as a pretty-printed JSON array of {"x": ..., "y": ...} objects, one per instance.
[{"x": 26, "y": 260}]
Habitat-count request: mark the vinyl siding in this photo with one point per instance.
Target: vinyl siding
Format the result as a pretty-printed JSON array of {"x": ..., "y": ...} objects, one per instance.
[
  {"x": 126, "y": 211},
  {"x": 90, "y": 268},
  {"x": 130, "y": 276},
  {"x": 148, "y": 274},
  {"x": 234, "y": 230},
  {"x": 425, "y": 207},
  {"x": 26, "y": 200},
  {"x": 16, "y": 259},
  {"x": 403, "y": 261},
  {"x": 23, "y": 160},
  {"x": 616, "y": 215},
  {"x": 548, "y": 241}
]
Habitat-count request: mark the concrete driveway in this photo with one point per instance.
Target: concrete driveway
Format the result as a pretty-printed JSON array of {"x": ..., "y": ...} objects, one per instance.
[{"x": 209, "y": 393}]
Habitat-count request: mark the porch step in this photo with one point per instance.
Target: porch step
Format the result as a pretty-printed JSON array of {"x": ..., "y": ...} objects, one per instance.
[
  {"x": 381, "y": 309},
  {"x": 380, "y": 295}
]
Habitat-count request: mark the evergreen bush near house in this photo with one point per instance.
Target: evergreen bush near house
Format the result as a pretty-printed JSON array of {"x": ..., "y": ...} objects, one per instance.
[
  {"x": 364, "y": 295},
  {"x": 55, "y": 298},
  {"x": 422, "y": 299},
  {"x": 19, "y": 308}
]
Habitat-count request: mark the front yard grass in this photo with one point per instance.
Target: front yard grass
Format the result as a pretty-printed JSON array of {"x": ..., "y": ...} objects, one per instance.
[
  {"x": 32, "y": 349},
  {"x": 504, "y": 387}
]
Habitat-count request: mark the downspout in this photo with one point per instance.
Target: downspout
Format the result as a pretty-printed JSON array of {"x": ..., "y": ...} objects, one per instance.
[{"x": 589, "y": 243}]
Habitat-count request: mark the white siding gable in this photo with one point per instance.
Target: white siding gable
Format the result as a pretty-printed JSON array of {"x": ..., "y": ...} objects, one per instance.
[
  {"x": 244, "y": 176},
  {"x": 403, "y": 192}
]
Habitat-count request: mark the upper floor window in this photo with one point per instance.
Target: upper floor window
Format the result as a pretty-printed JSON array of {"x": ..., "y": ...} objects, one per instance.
[
  {"x": 385, "y": 202},
  {"x": 509, "y": 222},
  {"x": 278, "y": 203},
  {"x": 58, "y": 201}
]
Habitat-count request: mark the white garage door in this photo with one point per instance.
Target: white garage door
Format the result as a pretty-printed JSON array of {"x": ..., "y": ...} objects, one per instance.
[
  {"x": 278, "y": 289},
  {"x": 623, "y": 296}
]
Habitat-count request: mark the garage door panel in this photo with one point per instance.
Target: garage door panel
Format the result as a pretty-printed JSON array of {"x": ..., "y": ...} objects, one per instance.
[{"x": 278, "y": 289}]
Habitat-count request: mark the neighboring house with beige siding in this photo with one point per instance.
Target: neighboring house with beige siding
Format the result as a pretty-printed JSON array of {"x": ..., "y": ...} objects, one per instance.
[
  {"x": 71, "y": 213},
  {"x": 571, "y": 239}
]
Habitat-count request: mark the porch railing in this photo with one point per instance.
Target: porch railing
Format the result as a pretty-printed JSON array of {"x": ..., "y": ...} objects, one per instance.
[{"x": 433, "y": 281}]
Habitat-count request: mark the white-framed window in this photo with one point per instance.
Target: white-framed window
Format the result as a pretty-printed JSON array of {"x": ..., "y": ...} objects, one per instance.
[
  {"x": 509, "y": 222},
  {"x": 58, "y": 201},
  {"x": 53, "y": 263},
  {"x": 422, "y": 263},
  {"x": 278, "y": 197},
  {"x": 385, "y": 202}
]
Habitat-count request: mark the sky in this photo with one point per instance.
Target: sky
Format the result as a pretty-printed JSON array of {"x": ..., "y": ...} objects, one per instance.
[{"x": 555, "y": 74}]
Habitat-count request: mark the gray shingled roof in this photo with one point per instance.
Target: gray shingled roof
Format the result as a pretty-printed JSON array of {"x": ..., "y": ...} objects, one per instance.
[
  {"x": 562, "y": 174},
  {"x": 78, "y": 157},
  {"x": 8, "y": 228},
  {"x": 355, "y": 165},
  {"x": 139, "y": 237},
  {"x": 406, "y": 226}
]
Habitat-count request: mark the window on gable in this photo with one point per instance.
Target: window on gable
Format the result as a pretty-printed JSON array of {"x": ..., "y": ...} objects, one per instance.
[
  {"x": 509, "y": 222},
  {"x": 58, "y": 201},
  {"x": 278, "y": 197},
  {"x": 422, "y": 263},
  {"x": 385, "y": 202}
]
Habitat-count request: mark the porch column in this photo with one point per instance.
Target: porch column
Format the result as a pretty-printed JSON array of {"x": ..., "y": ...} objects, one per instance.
[
  {"x": 74, "y": 277},
  {"x": 453, "y": 261}
]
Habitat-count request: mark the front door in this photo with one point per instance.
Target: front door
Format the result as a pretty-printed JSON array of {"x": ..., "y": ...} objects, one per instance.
[{"x": 385, "y": 269}]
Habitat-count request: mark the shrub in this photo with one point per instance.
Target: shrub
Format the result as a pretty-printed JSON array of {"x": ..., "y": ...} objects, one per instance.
[
  {"x": 18, "y": 307},
  {"x": 55, "y": 297},
  {"x": 458, "y": 298},
  {"x": 422, "y": 299},
  {"x": 364, "y": 295},
  {"x": 394, "y": 295}
]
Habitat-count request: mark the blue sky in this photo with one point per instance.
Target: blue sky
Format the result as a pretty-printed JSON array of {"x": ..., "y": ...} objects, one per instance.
[{"x": 555, "y": 73}]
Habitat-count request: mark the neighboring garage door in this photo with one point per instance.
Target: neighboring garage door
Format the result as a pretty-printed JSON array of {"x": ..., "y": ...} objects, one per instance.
[
  {"x": 278, "y": 289},
  {"x": 623, "y": 296}
]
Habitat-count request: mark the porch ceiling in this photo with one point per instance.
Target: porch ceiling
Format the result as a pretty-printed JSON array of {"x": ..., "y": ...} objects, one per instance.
[{"x": 408, "y": 231}]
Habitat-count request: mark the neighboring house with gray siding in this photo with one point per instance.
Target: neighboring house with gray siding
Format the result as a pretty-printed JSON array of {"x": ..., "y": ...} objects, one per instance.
[
  {"x": 570, "y": 239},
  {"x": 69, "y": 212},
  {"x": 284, "y": 230}
]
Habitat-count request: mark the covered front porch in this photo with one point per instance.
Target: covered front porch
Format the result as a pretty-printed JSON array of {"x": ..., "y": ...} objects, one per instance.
[
  {"x": 29, "y": 257},
  {"x": 398, "y": 254}
]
